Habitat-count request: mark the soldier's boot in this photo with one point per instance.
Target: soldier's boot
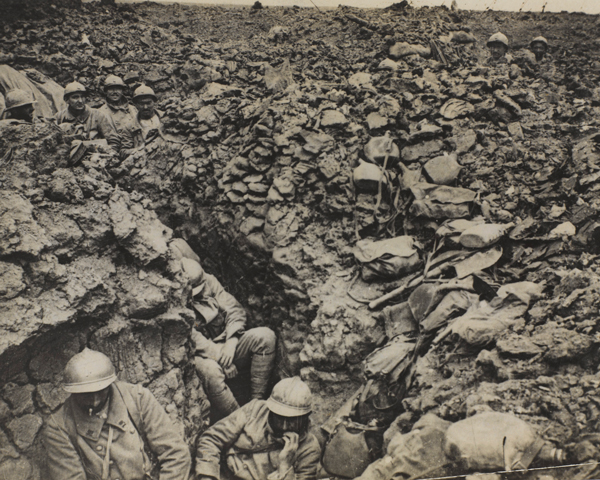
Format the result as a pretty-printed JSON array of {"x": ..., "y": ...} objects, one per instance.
[
  {"x": 260, "y": 374},
  {"x": 224, "y": 402}
]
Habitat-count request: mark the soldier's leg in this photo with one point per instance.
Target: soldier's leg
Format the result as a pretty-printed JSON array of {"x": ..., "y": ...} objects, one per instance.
[
  {"x": 217, "y": 391},
  {"x": 257, "y": 348}
]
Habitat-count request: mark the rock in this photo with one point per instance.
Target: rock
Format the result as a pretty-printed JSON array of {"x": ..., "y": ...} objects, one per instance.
[
  {"x": 422, "y": 150},
  {"x": 252, "y": 224},
  {"x": 329, "y": 166},
  {"x": 462, "y": 37},
  {"x": 50, "y": 396},
  {"x": 403, "y": 49},
  {"x": 135, "y": 353},
  {"x": 442, "y": 170},
  {"x": 333, "y": 118},
  {"x": 213, "y": 92},
  {"x": 388, "y": 64},
  {"x": 20, "y": 468},
  {"x": 7, "y": 451},
  {"x": 456, "y": 108},
  {"x": 19, "y": 232},
  {"x": 464, "y": 141},
  {"x": 138, "y": 230},
  {"x": 11, "y": 280},
  {"x": 142, "y": 299},
  {"x": 376, "y": 121},
  {"x": 278, "y": 34},
  {"x": 518, "y": 347},
  {"x": 24, "y": 430},
  {"x": 20, "y": 399},
  {"x": 63, "y": 187},
  {"x": 425, "y": 132},
  {"x": 317, "y": 142},
  {"x": 515, "y": 130},
  {"x": 361, "y": 79},
  {"x": 278, "y": 79}
]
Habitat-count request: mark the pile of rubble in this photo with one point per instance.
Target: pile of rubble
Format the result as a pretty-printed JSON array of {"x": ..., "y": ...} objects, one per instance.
[{"x": 292, "y": 136}]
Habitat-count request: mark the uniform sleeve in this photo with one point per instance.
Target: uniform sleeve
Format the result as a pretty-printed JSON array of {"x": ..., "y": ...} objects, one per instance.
[
  {"x": 63, "y": 459},
  {"x": 163, "y": 438},
  {"x": 216, "y": 440},
  {"x": 307, "y": 461},
  {"x": 235, "y": 316},
  {"x": 130, "y": 140},
  {"x": 107, "y": 129}
]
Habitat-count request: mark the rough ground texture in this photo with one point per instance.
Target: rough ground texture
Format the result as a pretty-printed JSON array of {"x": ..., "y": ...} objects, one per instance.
[{"x": 275, "y": 107}]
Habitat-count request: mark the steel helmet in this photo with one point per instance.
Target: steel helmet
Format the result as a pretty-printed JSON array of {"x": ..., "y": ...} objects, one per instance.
[
  {"x": 114, "y": 81},
  {"x": 18, "y": 98},
  {"x": 73, "y": 87},
  {"x": 144, "y": 91},
  {"x": 88, "y": 371},
  {"x": 194, "y": 272},
  {"x": 539, "y": 40},
  {"x": 291, "y": 397},
  {"x": 498, "y": 38}
]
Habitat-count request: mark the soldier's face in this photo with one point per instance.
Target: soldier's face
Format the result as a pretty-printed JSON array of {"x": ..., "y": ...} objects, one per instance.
[
  {"x": 145, "y": 106},
  {"x": 91, "y": 402},
  {"x": 114, "y": 94},
  {"x": 23, "y": 113},
  {"x": 497, "y": 50},
  {"x": 280, "y": 424},
  {"x": 76, "y": 102},
  {"x": 539, "y": 49}
]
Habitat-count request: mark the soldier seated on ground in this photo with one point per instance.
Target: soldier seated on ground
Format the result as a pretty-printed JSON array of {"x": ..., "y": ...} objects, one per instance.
[
  {"x": 117, "y": 107},
  {"x": 498, "y": 45},
  {"x": 223, "y": 346},
  {"x": 145, "y": 126},
  {"x": 19, "y": 107},
  {"x": 108, "y": 429},
  {"x": 265, "y": 440},
  {"x": 80, "y": 119}
]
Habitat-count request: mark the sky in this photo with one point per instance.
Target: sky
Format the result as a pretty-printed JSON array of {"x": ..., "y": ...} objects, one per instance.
[{"x": 585, "y": 6}]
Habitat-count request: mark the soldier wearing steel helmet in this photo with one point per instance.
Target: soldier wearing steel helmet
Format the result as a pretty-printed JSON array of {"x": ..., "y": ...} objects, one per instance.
[
  {"x": 266, "y": 440},
  {"x": 145, "y": 126},
  {"x": 79, "y": 117},
  {"x": 222, "y": 345},
  {"x": 498, "y": 46},
  {"x": 108, "y": 429},
  {"x": 19, "y": 106},
  {"x": 539, "y": 47},
  {"x": 117, "y": 107}
]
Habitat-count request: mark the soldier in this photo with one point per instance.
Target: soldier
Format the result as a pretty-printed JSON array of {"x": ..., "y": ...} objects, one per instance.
[
  {"x": 93, "y": 123},
  {"x": 265, "y": 440},
  {"x": 111, "y": 429},
  {"x": 145, "y": 126},
  {"x": 539, "y": 46},
  {"x": 19, "y": 106},
  {"x": 498, "y": 45},
  {"x": 223, "y": 347},
  {"x": 117, "y": 107}
]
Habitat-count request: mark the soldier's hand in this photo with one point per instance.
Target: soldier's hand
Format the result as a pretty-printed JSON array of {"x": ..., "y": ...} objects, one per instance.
[
  {"x": 286, "y": 456},
  {"x": 228, "y": 352},
  {"x": 231, "y": 371}
]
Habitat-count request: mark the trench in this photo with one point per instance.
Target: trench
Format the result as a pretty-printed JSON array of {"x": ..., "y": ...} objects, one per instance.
[{"x": 275, "y": 107}]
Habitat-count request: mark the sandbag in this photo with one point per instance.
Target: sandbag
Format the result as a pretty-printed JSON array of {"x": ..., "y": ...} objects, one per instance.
[
  {"x": 386, "y": 259},
  {"x": 384, "y": 360},
  {"x": 492, "y": 440},
  {"x": 440, "y": 201},
  {"x": 346, "y": 454}
]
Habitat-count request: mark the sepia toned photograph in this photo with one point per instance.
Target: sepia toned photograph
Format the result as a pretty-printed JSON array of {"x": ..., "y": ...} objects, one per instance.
[{"x": 300, "y": 240}]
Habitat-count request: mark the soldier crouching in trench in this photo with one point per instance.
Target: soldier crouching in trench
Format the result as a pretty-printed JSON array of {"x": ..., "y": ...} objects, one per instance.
[
  {"x": 263, "y": 440},
  {"x": 109, "y": 429},
  {"x": 223, "y": 346}
]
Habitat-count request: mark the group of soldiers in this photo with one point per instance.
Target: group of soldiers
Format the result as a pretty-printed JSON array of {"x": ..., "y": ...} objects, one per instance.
[
  {"x": 108, "y": 429},
  {"x": 126, "y": 128}
]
